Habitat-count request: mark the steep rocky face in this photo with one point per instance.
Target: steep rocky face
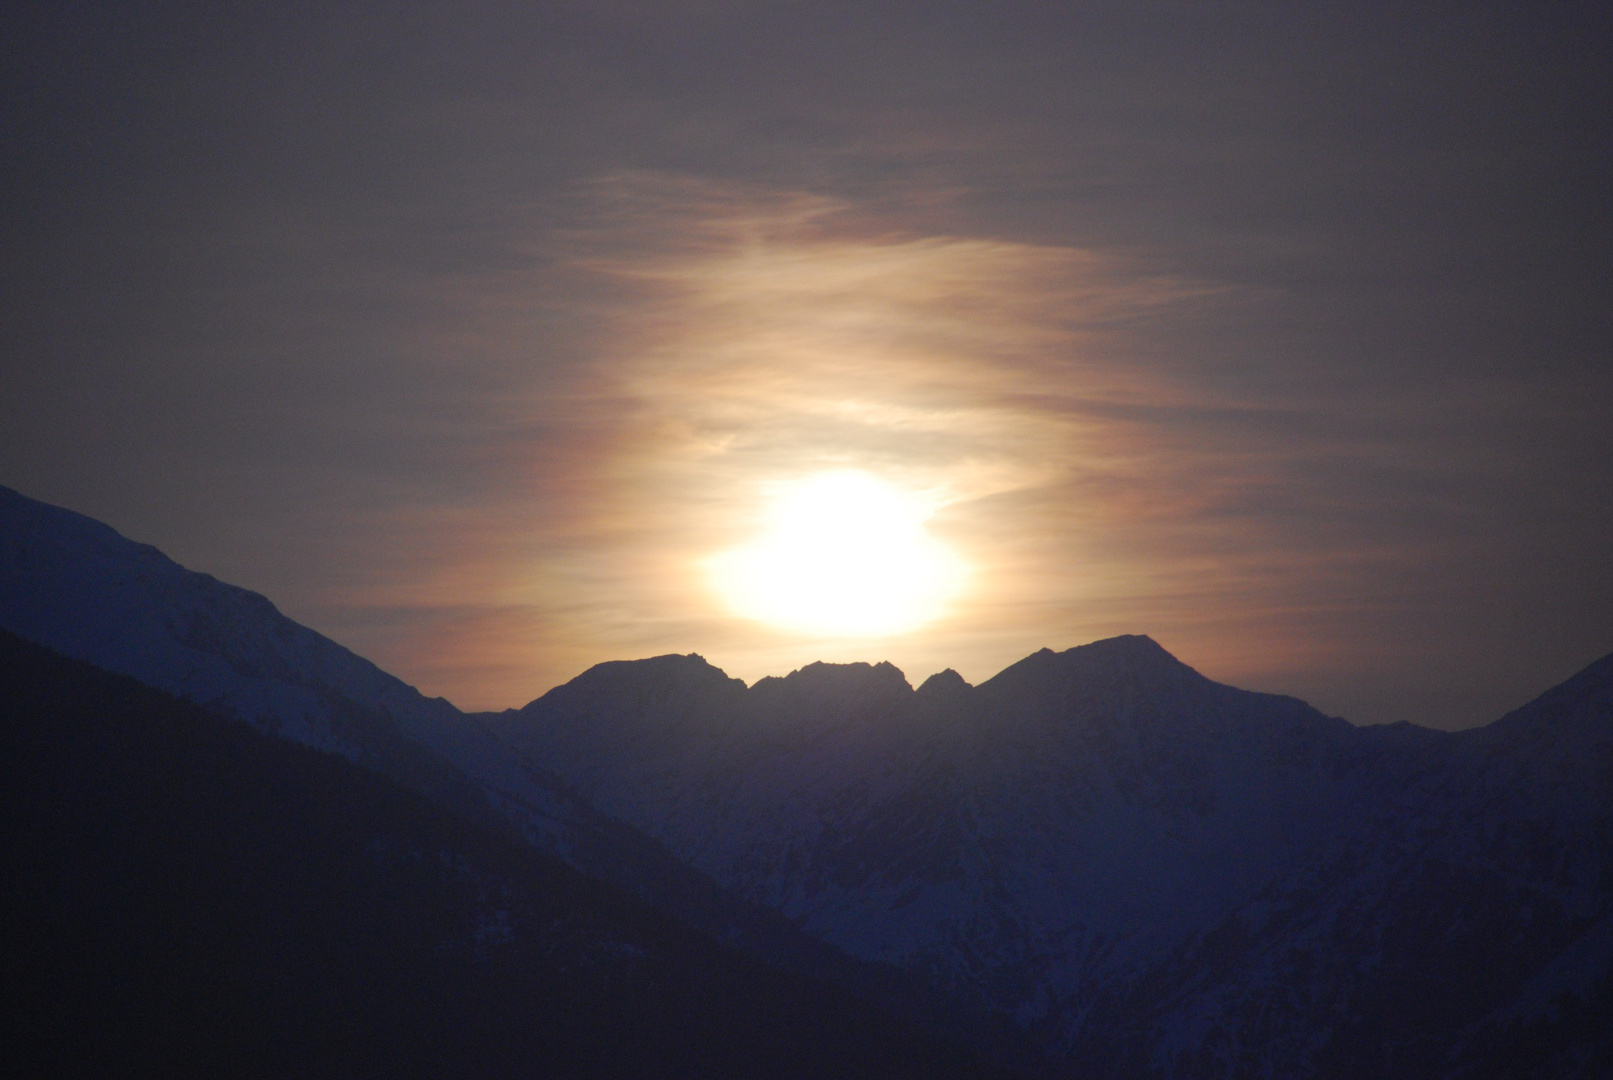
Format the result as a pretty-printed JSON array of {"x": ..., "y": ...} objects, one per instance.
[
  {"x": 1464, "y": 929},
  {"x": 1157, "y": 873},
  {"x": 1078, "y": 811}
]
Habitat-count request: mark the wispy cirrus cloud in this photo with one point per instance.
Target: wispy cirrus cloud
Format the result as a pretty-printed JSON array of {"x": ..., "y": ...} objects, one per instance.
[
  {"x": 1280, "y": 336},
  {"x": 736, "y": 339}
]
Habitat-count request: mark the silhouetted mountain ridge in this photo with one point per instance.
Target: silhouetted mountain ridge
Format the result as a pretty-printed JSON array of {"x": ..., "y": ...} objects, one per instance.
[
  {"x": 1150, "y": 873},
  {"x": 945, "y": 684},
  {"x": 187, "y": 896},
  {"x": 76, "y": 585},
  {"x": 1094, "y": 839}
]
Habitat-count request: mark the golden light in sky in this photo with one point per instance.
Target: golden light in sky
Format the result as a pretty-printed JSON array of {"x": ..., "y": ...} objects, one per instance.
[{"x": 845, "y": 554}]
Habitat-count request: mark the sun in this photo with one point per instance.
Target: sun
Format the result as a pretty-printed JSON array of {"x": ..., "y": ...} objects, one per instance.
[{"x": 846, "y": 555}]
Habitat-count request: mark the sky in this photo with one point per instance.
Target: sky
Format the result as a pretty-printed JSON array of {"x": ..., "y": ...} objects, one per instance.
[{"x": 472, "y": 334}]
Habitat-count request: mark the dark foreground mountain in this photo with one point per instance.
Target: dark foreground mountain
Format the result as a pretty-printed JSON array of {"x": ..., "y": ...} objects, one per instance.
[
  {"x": 77, "y": 586},
  {"x": 1156, "y": 874},
  {"x": 187, "y": 896}
]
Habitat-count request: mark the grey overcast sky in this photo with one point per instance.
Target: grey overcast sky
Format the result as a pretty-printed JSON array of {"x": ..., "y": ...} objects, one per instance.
[{"x": 469, "y": 333}]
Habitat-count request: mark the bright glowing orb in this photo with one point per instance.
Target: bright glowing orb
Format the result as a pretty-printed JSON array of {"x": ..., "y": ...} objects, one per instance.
[{"x": 847, "y": 555}]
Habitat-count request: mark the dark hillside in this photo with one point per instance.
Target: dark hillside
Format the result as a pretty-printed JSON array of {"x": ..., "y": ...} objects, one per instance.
[{"x": 185, "y": 895}]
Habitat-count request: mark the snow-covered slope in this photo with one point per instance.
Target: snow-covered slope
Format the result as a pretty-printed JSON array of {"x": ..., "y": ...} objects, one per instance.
[
  {"x": 1466, "y": 929},
  {"x": 1079, "y": 813},
  {"x": 77, "y": 586},
  {"x": 1155, "y": 874},
  {"x": 1159, "y": 874}
]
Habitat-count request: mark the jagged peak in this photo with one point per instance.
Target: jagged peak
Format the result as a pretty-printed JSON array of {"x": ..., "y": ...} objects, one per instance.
[
  {"x": 670, "y": 669},
  {"x": 1124, "y": 644},
  {"x": 944, "y": 684},
  {"x": 837, "y": 679},
  {"x": 664, "y": 662},
  {"x": 1124, "y": 652},
  {"x": 1134, "y": 654}
]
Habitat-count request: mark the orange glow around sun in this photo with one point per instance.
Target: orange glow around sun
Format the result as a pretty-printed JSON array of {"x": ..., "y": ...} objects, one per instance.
[{"x": 846, "y": 555}]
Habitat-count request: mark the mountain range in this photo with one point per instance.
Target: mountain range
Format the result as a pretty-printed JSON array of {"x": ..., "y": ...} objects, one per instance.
[
  {"x": 185, "y": 895},
  {"x": 1096, "y": 863}
]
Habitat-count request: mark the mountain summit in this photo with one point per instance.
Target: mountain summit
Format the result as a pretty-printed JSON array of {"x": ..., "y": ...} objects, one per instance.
[
  {"x": 78, "y": 587},
  {"x": 1122, "y": 854},
  {"x": 1029, "y": 822},
  {"x": 1149, "y": 873}
]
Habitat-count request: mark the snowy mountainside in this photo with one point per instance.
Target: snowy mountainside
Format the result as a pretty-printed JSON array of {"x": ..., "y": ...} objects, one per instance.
[
  {"x": 1078, "y": 811},
  {"x": 1466, "y": 930},
  {"x": 1118, "y": 852},
  {"x": 186, "y": 896},
  {"x": 1154, "y": 874},
  {"x": 78, "y": 587}
]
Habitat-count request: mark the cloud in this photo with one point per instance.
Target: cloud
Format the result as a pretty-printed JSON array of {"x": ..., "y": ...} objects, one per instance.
[
  {"x": 746, "y": 338},
  {"x": 1287, "y": 349},
  {"x": 681, "y": 349}
]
